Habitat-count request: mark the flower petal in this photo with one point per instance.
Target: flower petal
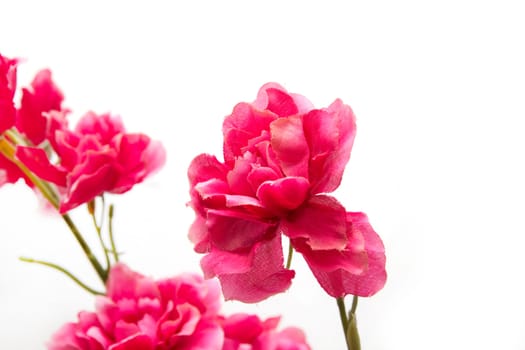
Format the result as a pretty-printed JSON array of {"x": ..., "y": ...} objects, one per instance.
[
  {"x": 321, "y": 221},
  {"x": 339, "y": 283},
  {"x": 284, "y": 194},
  {"x": 266, "y": 277},
  {"x": 290, "y": 146},
  {"x": 330, "y": 135}
]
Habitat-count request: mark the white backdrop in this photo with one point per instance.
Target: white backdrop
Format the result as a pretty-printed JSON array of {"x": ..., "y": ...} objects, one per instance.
[{"x": 438, "y": 90}]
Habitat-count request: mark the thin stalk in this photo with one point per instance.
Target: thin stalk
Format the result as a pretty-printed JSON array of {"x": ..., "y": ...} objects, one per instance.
[
  {"x": 99, "y": 234},
  {"x": 352, "y": 334},
  {"x": 110, "y": 230},
  {"x": 64, "y": 271},
  {"x": 290, "y": 254},
  {"x": 344, "y": 320},
  {"x": 87, "y": 251}
]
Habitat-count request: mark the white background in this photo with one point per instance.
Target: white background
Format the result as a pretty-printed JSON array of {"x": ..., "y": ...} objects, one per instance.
[{"x": 438, "y": 89}]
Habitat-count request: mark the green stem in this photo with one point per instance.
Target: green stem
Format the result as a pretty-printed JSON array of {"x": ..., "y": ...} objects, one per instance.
[
  {"x": 344, "y": 320},
  {"x": 63, "y": 270},
  {"x": 99, "y": 234},
  {"x": 354, "y": 305},
  {"x": 110, "y": 229},
  {"x": 290, "y": 254},
  {"x": 87, "y": 251},
  {"x": 352, "y": 334}
]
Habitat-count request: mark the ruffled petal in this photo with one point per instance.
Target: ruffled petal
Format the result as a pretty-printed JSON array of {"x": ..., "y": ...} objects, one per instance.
[
  {"x": 340, "y": 282},
  {"x": 266, "y": 277},
  {"x": 290, "y": 146},
  {"x": 244, "y": 124},
  {"x": 284, "y": 194},
  {"x": 36, "y": 160},
  {"x": 330, "y": 135},
  {"x": 321, "y": 221}
]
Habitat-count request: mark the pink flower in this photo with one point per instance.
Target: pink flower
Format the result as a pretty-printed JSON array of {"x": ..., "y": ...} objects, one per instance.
[
  {"x": 43, "y": 96},
  {"x": 139, "y": 313},
  {"x": 7, "y": 91},
  {"x": 248, "y": 332},
  {"x": 97, "y": 157},
  {"x": 281, "y": 158}
]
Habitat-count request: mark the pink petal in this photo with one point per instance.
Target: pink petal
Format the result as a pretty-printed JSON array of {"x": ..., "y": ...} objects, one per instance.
[
  {"x": 87, "y": 182},
  {"x": 138, "y": 157},
  {"x": 244, "y": 124},
  {"x": 122, "y": 282},
  {"x": 104, "y": 126},
  {"x": 7, "y": 90},
  {"x": 43, "y": 96},
  {"x": 267, "y": 276},
  {"x": 339, "y": 283},
  {"x": 321, "y": 221},
  {"x": 36, "y": 160},
  {"x": 290, "y": 146},
  {"x": 243, "y": 328},
  {"x": 284, "y": 194},
  {"x": 205, "y": 167},
  {"x": 330, "y": 135},
  {"x": 234, "y": 233},
  {"x": 134, "y": 342}
]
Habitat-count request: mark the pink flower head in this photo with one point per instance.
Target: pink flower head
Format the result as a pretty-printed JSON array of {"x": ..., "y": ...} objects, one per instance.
[
  {"x": 7, "y": 91},
  {"x": 43, "y": 96},
  {"x": 281, "y": 157},
  {"x": 248, "y": 332},
  {"x": 97, "y": 157},
  {"x": 139, "y": 313}
]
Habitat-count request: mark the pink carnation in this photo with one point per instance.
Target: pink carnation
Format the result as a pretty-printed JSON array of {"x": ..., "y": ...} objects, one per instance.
[
  {"x": 139, "y": 313},
  {"x": 281, "y": 158},
  {"x": 248, "y": 332},
  {"x": 98, "y": 156}
]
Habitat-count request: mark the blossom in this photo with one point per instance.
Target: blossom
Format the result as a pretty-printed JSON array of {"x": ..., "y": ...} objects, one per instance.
[
  {"x": 7, "y": 91},
  {"x": 249, "y": 332},
  {"x": 97, "y": 156},
  {"x": 281, "y": 159},
  {"x": 139, "y": 313}
]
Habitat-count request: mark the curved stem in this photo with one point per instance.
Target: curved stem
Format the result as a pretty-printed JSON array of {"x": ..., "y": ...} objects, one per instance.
[
  {"x": 99, "y": 232},
  {"x": 290, "y": 254},
  {"x": 87, "y": 251},
  {"x": 63, "y": 270}
]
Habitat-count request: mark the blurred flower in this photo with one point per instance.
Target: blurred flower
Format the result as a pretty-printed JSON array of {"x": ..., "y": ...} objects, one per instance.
[
  {"x": 139, "y": 313},
  {"x": 248, "y": 332},
  {"x": 97, "y": 157},
  {"x": 281, "y": 157}
]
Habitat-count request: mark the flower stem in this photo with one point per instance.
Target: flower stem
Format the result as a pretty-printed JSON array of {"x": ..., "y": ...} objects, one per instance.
[
  {"x": 87, "y": 251},
  {"x": 110, "y": 229},
  {"x": 344, "y": 320},
  {"x": 290, "y": 255},
  {"x": 352, "y": 335},
  {"x": 63, "y": 270},
  {"x": 91, "y": 207}
]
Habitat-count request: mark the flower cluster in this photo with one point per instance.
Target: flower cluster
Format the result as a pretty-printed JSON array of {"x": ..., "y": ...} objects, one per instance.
[
  {"x": 281, "y": 159},
  {"x": 139, "y": 313},
  {"x": 95, "y": 157}
]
